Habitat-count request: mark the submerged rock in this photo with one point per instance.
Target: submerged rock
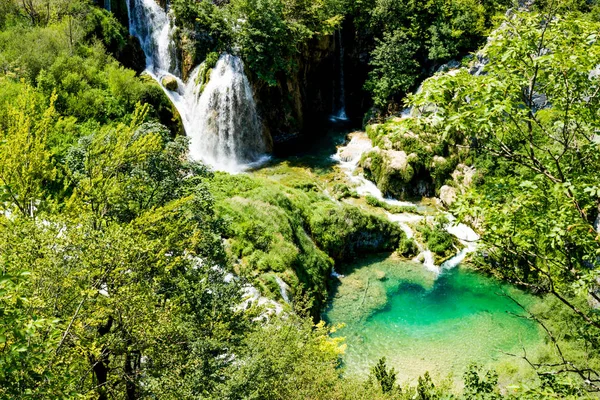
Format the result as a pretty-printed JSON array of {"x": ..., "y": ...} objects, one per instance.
[{"x": 380, "y": 275}]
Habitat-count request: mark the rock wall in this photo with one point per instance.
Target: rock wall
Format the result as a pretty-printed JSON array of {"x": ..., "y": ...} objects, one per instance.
[{"x": 297, "y": 106}]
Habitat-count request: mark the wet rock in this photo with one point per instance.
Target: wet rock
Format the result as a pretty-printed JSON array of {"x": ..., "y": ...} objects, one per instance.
[
  {"x": 170, "y": 83},
  {"x": 452, "y": 64}
]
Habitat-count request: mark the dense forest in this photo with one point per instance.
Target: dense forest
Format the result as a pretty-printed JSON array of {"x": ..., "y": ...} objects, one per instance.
[{"x": 130, "y": 269}]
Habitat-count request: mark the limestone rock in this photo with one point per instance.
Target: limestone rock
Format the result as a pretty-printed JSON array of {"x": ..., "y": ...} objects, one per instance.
[
  {"x": 359, "y": 143},
  {"x": 170, "y": 83},
  {"x": 397, "y": 160},
  {"x": 463, "y": 176},
  {"x": 448, "y": 195}
]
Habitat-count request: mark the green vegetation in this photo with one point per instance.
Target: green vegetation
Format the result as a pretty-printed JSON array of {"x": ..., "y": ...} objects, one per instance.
[
  {"x": 295, "y": 231},
  {"x": 413, "y": 37},
  {"x": 528, "y": 126},
  {"x": 269, "y": 33},
  {"x": 403, "y": 40},
  {"x": 375, "y": 202},
  {"x": 441, "y": 243},
  {"x": 123, "y": 264},
  {"x": 98, "y": 252}
]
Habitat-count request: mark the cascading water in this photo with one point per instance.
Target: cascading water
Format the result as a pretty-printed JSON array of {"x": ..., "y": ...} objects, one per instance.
[
  {"x": 222, "y": 121},
  {"x": 349, "y": 157},
  {"x": 151, "y": 25},
  {"x": 339, "y": 104},
  {"x": 219, "y": 117}
]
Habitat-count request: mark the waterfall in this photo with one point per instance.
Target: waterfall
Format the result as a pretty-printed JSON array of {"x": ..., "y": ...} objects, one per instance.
[
  {"x": 150, "y": 23},
  {"x": 339, "y": 103},
  {"x": 221, "y": 121},
  {"x": 107, "y": 5},
  {"x": 219, "y": 116}
]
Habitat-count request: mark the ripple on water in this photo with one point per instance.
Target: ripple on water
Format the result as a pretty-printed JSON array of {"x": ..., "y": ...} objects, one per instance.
[{"x": 423, "y": 322}]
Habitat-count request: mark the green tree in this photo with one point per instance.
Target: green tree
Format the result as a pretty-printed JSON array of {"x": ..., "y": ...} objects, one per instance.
[
  {"x": 27, "y": 342},
  {"x": 25, "y": 160},
  {"x": 272, "y": 33},
  {"x": 394, "y": 67},
  {"x": 385, "y": 378},
  {"x": 288, "y": 358},
  {"x": 480, "y": 386},
  {"x": 531, "y": 120}
]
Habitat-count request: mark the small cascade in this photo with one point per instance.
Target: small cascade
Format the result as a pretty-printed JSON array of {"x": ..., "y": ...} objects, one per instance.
[
  {"x": 151, "y": 25},
  {"x": 335, "y": 274},
  {"x": 219, "y": 116},
  {"x": 339, "y": 98},
  {"x": 348, "y": 158},
  {"x": 284, "y": 289},
  {"x": 466, "y": 236}
]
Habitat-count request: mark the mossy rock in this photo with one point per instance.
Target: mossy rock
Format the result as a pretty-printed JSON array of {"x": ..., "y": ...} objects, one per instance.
[
  {"x": 162, "y": 107},
  {"x": 170, "y": 83}
]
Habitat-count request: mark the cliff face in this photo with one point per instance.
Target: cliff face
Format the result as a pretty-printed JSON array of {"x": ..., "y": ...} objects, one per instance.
[
  {"x": 297, "y": 108},
  {"x": 298, "y": 104}
]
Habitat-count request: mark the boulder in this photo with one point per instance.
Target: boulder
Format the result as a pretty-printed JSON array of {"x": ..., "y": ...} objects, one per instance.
[
  {"x": 397, "y": 160},
  {"x": 170, "y": 83},
  {"x": 448, "y": 195},
  {"x": 463, "y": 176}
]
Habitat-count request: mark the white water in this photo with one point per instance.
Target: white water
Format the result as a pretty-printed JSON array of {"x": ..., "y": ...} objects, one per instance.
[
  {"x": 284, "y": 289},
  {"x": 252, "y": 297},
  {"x": 349, "y": 157},
  {"x": 466, "y": 236},
  {"x": 339, "y": 105},
  {"x": 221, "y": 121},
  {"x": 151, "y": 25},
  {"x": 335, "y": 274}
]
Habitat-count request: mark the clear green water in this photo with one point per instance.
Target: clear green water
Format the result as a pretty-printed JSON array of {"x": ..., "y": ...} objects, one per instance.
[{"x": 422, "y": 322}]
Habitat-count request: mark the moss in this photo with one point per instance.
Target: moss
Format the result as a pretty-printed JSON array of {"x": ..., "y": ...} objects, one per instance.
[
  {"x": 162, "y": 107},
  {"x": 431, "y": 158},
  {"x": 408, "y": 248},
  {"x": 374, "y": 202},
  {"x": 205, "y": 71},
  {"x": 441, "y": 243},
  {"x": 295, "y": 230}
]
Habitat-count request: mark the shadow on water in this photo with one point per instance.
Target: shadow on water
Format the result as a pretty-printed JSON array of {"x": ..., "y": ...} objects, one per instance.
[
  {"x": 349, "y": 268},
  {"x": 313, "y": 151}
]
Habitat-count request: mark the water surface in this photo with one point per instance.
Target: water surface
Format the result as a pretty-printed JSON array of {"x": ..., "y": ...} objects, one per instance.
[{"x": 423, "y": 322}]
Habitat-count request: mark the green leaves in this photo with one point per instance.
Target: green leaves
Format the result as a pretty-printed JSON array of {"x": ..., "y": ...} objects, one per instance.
[
  {"x": 272, "y": 33},
  {"x": 25, "y": 160},
  {"x": 530, "y": 120},
  {"x": 395, "y": 68}
]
